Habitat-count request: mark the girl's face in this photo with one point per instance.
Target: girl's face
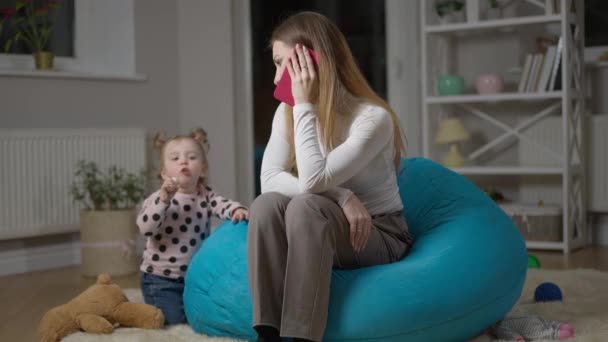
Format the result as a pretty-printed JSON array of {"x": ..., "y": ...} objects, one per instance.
[
  {"x": 280, "y": 55},
  {"x": 184, "y": 160}
]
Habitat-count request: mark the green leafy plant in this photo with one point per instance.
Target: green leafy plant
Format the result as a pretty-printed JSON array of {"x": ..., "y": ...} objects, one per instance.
[
  {"x": 448, "y": 6},
  {"x": 33, "y": 22},
  {"x": 115, "y": 189}
]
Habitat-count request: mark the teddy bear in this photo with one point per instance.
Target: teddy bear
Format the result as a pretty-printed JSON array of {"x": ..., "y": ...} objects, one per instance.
[{"x": 97, "y": 310}]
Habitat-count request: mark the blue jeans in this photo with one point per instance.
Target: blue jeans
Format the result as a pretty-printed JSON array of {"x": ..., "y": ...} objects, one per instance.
[{"x": 166, "y": 294}]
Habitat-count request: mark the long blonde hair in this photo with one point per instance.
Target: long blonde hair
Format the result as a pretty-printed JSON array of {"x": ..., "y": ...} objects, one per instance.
[
  {"x": 336, "y": 79},
  {"x": 198, "y": 135}
]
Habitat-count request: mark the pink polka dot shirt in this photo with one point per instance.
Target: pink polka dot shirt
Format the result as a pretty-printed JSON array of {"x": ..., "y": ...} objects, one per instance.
[{"x": 177, "y": 230}]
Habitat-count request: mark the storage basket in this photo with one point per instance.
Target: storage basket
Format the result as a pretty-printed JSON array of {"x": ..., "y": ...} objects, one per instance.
[
  {"x": 108, "y": 242},
  {"x": 536, "y": 223}
]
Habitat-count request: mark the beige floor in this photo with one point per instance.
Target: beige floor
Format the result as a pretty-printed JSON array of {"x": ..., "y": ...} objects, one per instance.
[{"x": 27, "y": 296}]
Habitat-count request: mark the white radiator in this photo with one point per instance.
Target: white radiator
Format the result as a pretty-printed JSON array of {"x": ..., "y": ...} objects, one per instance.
[
  {"x": 549, "y": 132},
  {"x": 37, "y": 171}
]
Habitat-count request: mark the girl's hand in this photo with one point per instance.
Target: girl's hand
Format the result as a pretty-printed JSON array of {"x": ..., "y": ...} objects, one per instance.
[
  {"x": 360, "y": 222},
  {"x": 303, "y": 75},
  {"x": 168, "y": 189},
  {"x": 240, "y": 214}
]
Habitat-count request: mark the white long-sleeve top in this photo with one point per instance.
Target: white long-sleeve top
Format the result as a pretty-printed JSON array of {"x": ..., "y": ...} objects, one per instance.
[{"x": 361, "y": 163}]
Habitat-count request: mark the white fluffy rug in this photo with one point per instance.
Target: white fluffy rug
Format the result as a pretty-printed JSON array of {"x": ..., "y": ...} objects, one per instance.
[{"x": 585, "y": 306}]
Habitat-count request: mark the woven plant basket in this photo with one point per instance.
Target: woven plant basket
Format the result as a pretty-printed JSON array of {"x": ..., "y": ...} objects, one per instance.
[{"x": 108, "y": 242}]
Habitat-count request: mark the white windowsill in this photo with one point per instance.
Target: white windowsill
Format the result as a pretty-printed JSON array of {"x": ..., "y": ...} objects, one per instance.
[{"x": 63, "y": 74}]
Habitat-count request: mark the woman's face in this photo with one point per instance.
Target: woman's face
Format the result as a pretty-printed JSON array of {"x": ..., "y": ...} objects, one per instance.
[{"x": 280, "y": 55}]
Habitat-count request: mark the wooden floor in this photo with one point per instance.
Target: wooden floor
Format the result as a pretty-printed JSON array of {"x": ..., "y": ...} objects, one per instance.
[
  {"x": 28, "y": 296},
  {"x": 591, "y": 257}
]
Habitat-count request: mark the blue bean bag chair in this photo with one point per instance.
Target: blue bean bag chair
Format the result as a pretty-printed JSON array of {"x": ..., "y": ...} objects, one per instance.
[{"x": 465, "y": 271}]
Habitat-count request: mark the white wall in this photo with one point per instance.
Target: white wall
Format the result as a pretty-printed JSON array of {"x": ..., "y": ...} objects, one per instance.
[
  {"x": 50, "y": 102},
  {"x": 403, "y": 69},
  {"x": 206, "y": 86}
]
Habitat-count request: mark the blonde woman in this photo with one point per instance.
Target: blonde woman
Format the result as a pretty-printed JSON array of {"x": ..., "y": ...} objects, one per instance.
[{"x": 329, "y": 187}]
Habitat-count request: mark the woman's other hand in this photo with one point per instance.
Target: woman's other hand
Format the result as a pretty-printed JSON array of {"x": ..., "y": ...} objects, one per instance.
[
  {"x": 360, "y": 222},
  {"x": 303, "y": 75}
]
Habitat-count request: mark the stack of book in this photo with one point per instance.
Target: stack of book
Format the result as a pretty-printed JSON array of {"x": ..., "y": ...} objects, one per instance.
[{"x": 542, "y": 71}]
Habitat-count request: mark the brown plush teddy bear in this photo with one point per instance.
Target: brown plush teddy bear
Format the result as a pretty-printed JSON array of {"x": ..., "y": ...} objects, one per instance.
[{"x": 96, "y": 310}]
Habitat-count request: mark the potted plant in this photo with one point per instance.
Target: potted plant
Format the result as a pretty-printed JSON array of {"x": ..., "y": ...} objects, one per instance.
[
  {"x": 450, "y": 11},
  {"x": 107, "y": 218},
  {"x": 494, "y": 10},
  {"x": 498, "y": 9},
  {"x": 33, "y": 22}
]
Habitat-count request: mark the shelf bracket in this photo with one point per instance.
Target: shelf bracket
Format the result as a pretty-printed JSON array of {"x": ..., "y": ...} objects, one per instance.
[{"x": 513, "y": 131}]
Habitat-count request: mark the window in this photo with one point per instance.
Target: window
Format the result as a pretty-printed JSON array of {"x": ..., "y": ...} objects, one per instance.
[
  {"x": 90, "y": 44},
  {"x": 62, "y": 40}
]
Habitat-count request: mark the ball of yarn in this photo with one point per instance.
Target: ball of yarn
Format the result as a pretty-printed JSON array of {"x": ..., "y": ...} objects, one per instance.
[{"x": 547, "y": 292}]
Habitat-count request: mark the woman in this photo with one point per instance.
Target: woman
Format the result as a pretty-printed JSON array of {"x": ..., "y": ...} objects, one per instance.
[{"x": 329, "y": 187}]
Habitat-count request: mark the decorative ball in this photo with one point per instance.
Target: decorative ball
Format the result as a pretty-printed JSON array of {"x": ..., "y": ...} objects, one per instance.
[
  {"x": 547, "y": 292},
  {"x": 489, "y": 84},
  {"x": 450, "y": 85},
  {"x": 533, "y": 262}
]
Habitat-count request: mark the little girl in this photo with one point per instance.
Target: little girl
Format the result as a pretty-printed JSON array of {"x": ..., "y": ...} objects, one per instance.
[{"x": 176, "y": 220}]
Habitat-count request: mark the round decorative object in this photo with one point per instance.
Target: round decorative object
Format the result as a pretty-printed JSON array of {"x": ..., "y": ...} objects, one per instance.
[
  {"x": 547, "y": 292},
  {"x": 450, "y": 85},
  {"x": 464, "y": 273},
  {"x": 533, "y": 262},
  {"x": 489, "y": 84}
]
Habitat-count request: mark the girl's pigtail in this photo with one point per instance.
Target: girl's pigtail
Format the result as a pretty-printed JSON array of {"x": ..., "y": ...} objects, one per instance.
[
  {"x": 159, "y": 140},
  {"x": 200, "y": 135}
]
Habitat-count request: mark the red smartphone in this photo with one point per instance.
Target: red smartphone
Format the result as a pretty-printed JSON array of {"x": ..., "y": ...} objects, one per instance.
[{"x": 283, "y": 90}]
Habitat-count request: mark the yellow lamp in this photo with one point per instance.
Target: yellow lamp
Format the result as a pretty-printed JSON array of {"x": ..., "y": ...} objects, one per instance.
[{"x": 451, "y": 131}]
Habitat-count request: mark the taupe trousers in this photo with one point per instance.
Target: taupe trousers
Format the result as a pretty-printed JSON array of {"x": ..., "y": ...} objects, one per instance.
[{"x": 292, "y": 246}]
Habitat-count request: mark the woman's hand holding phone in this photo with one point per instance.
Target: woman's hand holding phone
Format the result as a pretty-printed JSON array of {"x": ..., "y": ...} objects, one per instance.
[
  {"x": 303, "y": 75},
  {"x": 298, "y": 83}
]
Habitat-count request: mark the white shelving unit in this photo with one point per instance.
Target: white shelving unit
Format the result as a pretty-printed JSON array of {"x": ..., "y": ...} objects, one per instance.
[
  {"x": 492, "y": 24},
  {"x": 440, "y": 41},
  {"x": 494, "y": 97}
]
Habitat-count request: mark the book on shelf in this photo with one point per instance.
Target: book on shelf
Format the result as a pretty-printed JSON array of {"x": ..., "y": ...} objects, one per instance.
[
  {"x": 541, "y": 71},
  {"x": 537, "y": 65},
  {"x": 524, "y": 74},
  {"x": 529, "y": 75},
  {"x": 545, "y": 73},
  {"x": 555, "y": 78}
]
